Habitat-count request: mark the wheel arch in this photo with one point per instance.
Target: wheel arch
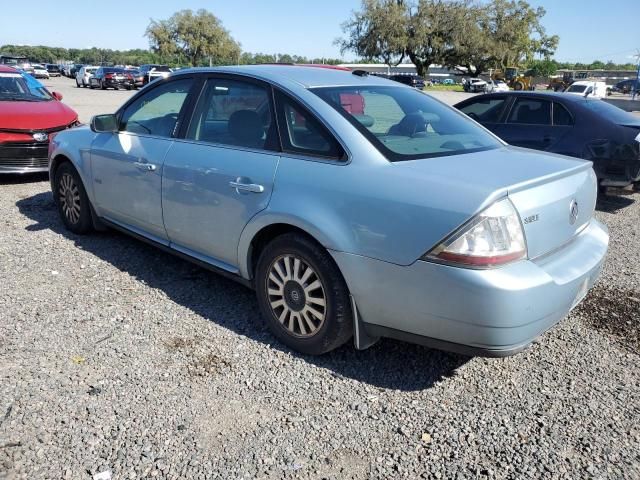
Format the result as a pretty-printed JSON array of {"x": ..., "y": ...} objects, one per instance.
[{"x": 261, "y": 231}]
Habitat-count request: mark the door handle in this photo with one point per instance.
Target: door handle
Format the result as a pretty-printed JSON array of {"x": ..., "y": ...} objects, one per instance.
[
  {"x": 145, "y": 167},
  {"x": 241, "y": 186}
]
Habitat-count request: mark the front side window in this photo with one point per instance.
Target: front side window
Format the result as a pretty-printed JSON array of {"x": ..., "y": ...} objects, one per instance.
[
  {"x": 531, "y": 111},
  {"x": 237, "y": 113},
  {"x": 157, "y": 111},
  {"x": 405, "y": 124},
  {"x": 486, "y": 110}
]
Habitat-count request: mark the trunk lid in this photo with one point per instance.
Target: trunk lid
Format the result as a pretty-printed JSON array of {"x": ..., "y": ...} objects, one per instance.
[{"x": 547, "y": 190}]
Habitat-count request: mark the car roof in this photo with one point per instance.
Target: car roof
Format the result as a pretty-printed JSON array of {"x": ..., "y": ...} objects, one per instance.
[
  {"x": 8, "y": 69},
  {"x": 305, "y": 76},
  {"x": 547, "y": 94}
]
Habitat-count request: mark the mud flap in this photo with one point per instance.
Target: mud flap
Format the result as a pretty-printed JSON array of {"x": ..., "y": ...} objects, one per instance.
[{"x": 361, "y": 339}]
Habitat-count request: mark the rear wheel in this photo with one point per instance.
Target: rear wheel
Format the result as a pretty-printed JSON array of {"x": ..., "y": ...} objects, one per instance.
[
  {"x": 71, "y": 200},
  {"x": 302, "y": 295},
  {"x": 518, "y": 86}
]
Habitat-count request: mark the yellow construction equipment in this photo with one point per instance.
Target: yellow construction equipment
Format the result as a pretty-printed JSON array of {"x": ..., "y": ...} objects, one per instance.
[
  {"x": 511, "y": 77},
  {"x": 568, "y": 77}
]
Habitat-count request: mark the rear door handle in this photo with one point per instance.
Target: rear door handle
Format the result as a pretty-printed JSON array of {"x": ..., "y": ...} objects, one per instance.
[
  {"x": 241, "y": 186},
  {"x": 145, "y": 166}
]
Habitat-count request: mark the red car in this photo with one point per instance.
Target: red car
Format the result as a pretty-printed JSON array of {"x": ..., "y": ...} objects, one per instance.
[{"x": 29, "y": 115}]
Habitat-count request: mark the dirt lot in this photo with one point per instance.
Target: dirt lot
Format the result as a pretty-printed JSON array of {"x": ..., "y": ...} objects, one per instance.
[{"x": 117, "y": 357}]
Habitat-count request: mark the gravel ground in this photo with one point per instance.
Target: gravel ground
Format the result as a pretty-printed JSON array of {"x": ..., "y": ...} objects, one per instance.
[{"x": 116, "y": 357}]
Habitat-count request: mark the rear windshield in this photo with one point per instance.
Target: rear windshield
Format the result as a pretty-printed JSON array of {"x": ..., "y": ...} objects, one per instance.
[
  {"x": 162, "y": 69},
  {"x": 577, "y": 88},
  {"x": 405, "y": 124},
  {"x": 612, "y": 113}
]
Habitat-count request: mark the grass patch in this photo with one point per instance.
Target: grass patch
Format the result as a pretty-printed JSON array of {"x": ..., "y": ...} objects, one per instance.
[{"x": 444, "y": 88}]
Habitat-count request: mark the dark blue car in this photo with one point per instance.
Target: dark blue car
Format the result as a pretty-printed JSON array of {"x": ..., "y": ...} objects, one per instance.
[{"x": 566, "y": 124}]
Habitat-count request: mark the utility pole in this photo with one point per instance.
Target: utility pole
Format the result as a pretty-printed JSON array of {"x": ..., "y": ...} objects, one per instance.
[{"x": 636, "y": 86}]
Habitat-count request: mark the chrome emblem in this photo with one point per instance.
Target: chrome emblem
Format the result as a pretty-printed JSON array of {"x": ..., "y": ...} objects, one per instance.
[
  {"x": 573, "y": 211},
  {"x": 40, "y": 137}
]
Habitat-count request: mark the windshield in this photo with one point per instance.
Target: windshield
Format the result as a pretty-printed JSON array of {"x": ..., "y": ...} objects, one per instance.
[
  {"x": 577, "y": 88},
  {"x": 612, "y": 113},
  {"x": 161, "y": 68},
  {"x": 405, "y": 124},
  {"x": 18, "y": 88}
]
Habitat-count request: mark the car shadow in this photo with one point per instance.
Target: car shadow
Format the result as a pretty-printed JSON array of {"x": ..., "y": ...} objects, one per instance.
[
  {"x": 388, "y": 364},
  {"x": 613, "y": 203},
  {"x": 16, "y": 179}
]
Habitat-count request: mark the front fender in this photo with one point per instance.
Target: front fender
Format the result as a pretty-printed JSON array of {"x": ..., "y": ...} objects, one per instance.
[{"x": 74, "y": 145}]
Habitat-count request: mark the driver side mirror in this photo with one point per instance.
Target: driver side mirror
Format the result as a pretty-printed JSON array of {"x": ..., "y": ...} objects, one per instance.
[
  {"x": 107, "y": 123},
  {"x": 57, "y": 96}
]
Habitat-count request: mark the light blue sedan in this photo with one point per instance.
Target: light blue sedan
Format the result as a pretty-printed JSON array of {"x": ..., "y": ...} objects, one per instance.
[{"x": 353, "y": 205}]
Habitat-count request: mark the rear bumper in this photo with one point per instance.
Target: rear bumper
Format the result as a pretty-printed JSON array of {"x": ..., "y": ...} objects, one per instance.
[{"x": 494, "y": 312}]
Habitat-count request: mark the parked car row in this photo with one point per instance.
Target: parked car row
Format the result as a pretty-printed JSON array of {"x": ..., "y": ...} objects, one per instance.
[{"x": 119, "y": 77}]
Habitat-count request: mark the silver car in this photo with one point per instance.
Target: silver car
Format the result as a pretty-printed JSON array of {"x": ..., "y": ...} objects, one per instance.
[
  {"x": 353, "y": 205},
  {"x": 83, "y": 77}
]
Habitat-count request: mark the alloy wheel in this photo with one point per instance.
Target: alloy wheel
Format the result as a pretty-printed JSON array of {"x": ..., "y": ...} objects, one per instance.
[
  {"x": 69, "y": 196},
  {"x": 296, "y": 295}
]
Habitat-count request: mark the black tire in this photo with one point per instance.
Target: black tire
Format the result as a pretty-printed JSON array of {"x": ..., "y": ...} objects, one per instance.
[
  {"x": 67, "y": 178},
  {"x": 337, "y": 326}
]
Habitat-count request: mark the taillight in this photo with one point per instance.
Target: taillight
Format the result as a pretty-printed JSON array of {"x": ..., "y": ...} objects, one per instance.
[{"x": 493, "y": 237}]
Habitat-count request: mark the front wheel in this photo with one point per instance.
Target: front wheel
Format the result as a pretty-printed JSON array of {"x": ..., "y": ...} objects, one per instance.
[
  {"x": 302, "y": 295},
  {"x": 71, "y": 200}
]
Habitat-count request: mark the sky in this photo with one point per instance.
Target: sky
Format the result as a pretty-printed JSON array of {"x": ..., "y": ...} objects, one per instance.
[{"x": 588, "y": 29}]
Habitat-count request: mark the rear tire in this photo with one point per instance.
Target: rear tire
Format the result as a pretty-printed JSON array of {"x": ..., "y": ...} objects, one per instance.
[
  {"x": 303, "y": 296},
  {"x": 71, "y": 199}
]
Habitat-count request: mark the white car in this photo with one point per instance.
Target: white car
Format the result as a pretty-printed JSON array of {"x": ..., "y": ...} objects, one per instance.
[
  {"x": 494, "y": 86},
  {"x": 39, "y": 71},
  {"x": 84, "y": 74},
  {"x": 588, "y": 88},
  {"x": 475, "y": 85}
]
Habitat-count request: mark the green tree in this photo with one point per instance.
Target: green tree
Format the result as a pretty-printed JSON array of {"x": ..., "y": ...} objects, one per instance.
[
  {"x": 542, "y": 68},
  {"x": 195, "y": 36},
  {"x": 377, "y": 32},
  {"x": 517, "y": 32}
]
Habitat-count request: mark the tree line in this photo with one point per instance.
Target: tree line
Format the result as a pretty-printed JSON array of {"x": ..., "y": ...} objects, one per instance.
[
  {"x": 478, "y": 36},
  {"x": 45, "y": 54}
]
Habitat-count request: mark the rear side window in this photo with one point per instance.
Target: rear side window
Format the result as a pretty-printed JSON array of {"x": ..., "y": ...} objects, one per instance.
[
  {"x": 561, "y": 116},
  {"x": 531, "y": 111},
  {"x": 156, "y": 112},
  {"x": 301, "y": 132},
  {"x": 485, "y": 109},
  {"x": 233, "y": 112}
]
